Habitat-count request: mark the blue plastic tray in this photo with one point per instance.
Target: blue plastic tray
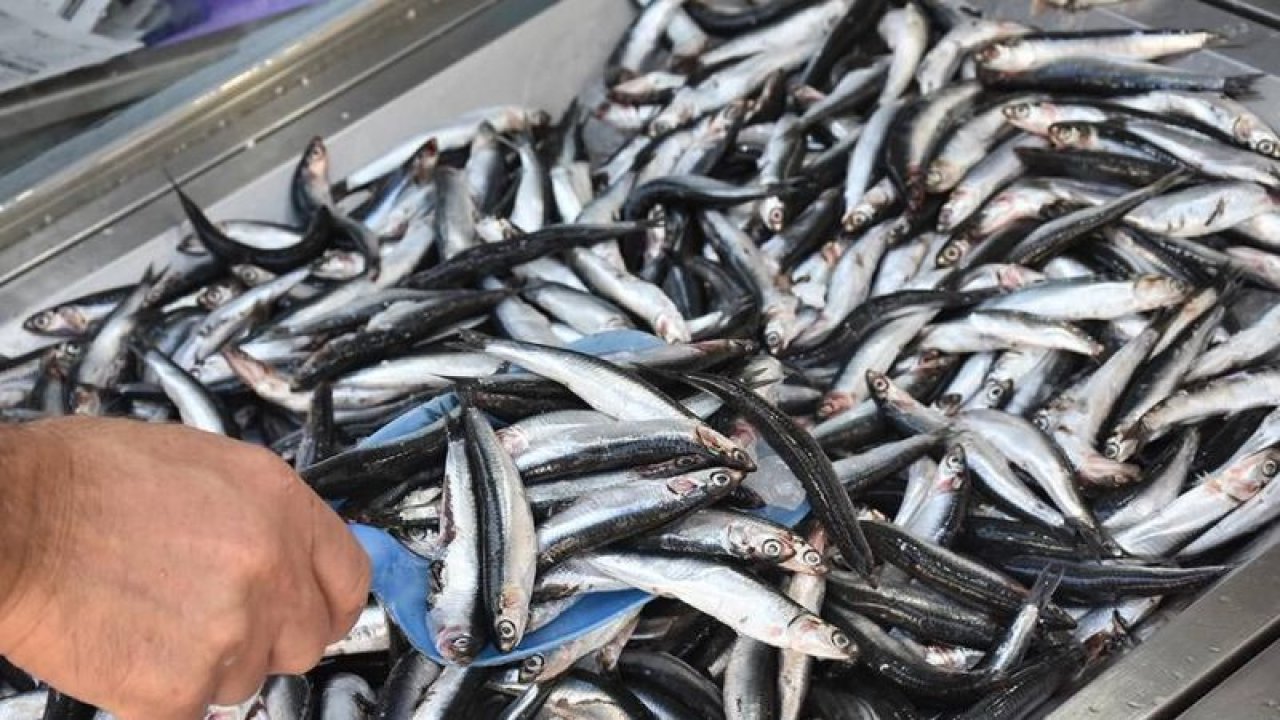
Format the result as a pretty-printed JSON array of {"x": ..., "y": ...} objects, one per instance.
[{"x": 400, "y": 576}]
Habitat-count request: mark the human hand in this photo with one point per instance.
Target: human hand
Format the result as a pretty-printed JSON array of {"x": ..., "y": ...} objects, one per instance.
[{"x": 154, "y": 569}]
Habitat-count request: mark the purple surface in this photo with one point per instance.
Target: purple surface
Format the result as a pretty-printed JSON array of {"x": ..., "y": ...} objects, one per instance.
[{"x": 225, "y": 14}]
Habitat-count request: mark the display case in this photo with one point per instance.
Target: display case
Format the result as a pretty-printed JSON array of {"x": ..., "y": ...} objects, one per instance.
[{"x": 375, "y": 74}]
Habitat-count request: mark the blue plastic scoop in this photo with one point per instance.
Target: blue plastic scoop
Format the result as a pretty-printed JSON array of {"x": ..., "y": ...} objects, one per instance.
[{"x": 400, "y": 576}]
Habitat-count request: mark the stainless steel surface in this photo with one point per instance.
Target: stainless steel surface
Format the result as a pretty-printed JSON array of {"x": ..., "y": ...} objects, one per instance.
[
  {"x": 1250, "y": 693},
  {"x": 106, "y": 86},
  {"x": 1209, "y": 639},
  {"x": 112, "y": 202}
]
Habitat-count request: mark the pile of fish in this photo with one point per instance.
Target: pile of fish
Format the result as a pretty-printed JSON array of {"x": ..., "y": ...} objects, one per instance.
[{"x": 967, "y": 329}]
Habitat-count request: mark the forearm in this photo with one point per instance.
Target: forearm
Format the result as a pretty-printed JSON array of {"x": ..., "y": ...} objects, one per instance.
[{"x": 31, "y": 512}]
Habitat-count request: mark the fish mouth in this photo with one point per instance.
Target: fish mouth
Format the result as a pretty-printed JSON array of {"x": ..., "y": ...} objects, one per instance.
[{"x": 457, "y": 645}]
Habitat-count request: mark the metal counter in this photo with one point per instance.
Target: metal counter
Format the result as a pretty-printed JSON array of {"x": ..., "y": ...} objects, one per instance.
[{"x": 387, "y": 71}]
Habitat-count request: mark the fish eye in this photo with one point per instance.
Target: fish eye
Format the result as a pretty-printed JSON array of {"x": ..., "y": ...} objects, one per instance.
[
  {"x": 880, "y": 384},
  {"x": 685, "y": 461},
  {"x": 533, "y": 664},
  {"x": 1040, "y": 421},
  {"x": 812, "y": 557},
  {"x": 995, "y": 392},
  {"x": 739, "y": 456},
  {"x": 506, "y": 629},
  {"x": 42, "y": 321},
  {"x": 1111, "y": 450},
  {"x": 933, "y": 178},
  {"x": 951, "y": 253},
  {"x": 839, "y": 639},
  {"x": 773, "y": 339},
  {"x": 775, "y": 217},
  {"x": 1266, "y": 147},
  {"x": 988, "y": 53},
  {"x": 771, "y": 548},
  {"x": 720, "y": 479},
  {"x": 1269, "y": 468},
  {"x": 462, "y": 643}
]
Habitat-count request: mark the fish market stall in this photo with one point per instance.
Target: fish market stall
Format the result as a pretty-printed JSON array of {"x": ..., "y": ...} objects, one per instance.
[{"x": 967, "y": 333}]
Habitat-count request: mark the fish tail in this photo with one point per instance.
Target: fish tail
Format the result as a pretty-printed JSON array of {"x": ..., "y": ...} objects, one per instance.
[{"x": 1238, "y": 86}]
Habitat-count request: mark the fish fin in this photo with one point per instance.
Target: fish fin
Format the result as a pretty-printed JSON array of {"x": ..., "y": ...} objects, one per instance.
[
  {"x": 1238, "y": 86},
  {"x": 1125, "y": 636},
  {"x": 465, "y": 339},
  {"x": 1045, "y": 586},
  {"x": 1094, "y": 537},
  {"x": 1219, "y": 39}
]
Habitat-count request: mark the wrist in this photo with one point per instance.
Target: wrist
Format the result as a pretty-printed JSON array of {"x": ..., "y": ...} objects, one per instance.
[{"x": 33, "y": 474}]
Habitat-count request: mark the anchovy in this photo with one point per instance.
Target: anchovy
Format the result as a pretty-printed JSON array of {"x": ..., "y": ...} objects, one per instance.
[
  {"x": 953, "y": 574},
  {"x": 509, "y": 544},
  {"x": 1093, "y": 581},
  {"x": 716, "y": 589},
  {"x": 804, "y": 456},
  {"x": 623, "y": 511},
  {"x": 1031, "y": 51},
  {"x": 1109, "y": 76},
  {"x": 1195, "y": 510},
  {"x": 454, "y": 598}
]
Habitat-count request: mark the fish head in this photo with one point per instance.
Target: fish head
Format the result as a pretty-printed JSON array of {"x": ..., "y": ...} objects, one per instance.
[
  {"x": 807, "y": 559},
  {"x": 780, "y": 324},
  {"x": 508, "y": 629},
  {"x": 1075, "y": 135},
  {"x": 773, "y": 213},
  {"x": 1248, "y": 476},
  {"x": 716, "y": 481},
  {"x": 996, "y": 392},
  {"x": 1019, "y": 112},
  {"x": 252, "y": 275},
  {"x": 256, "y": 374},
  {"x": 217, "y": 295},
  {"x": 960, "y": 203},
  {"x": 955, "y": 249},
  {"x": 1011, "y": 277},
  {"x": 951, "y": 470},
  {"x": 424, "y": 161},
  {"x": 63, "y": 356},
  {"x": 810, "y": 553},
  {"x": 671, "y": 328},
  {"x": 940, "y": 174},
  {"x": 1039, "y": 117},
  {"x": 1102, "y": 472},
  {"x": 749, "y": 540},
  {"x": 1161, "y": 290},
  {"x": 1268, "y": 145},
  {"x": 315, "y": 161},
  {"x": 1121, "y": 445},
  {"x": 339, "y": 265},
  {"x": 816, "y": 637},
  {"x": 834, "y": 403},
  {"x": 671, "y": 118},
  {"x": 724, "y": 449},
  {"x": 532, "y": 667},
  {"x": 998, "y": 55},
  {"x": 86, "y": 400},
  {"x": 1248, "y": 130},
  {"x": 66, "y": 320}
]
